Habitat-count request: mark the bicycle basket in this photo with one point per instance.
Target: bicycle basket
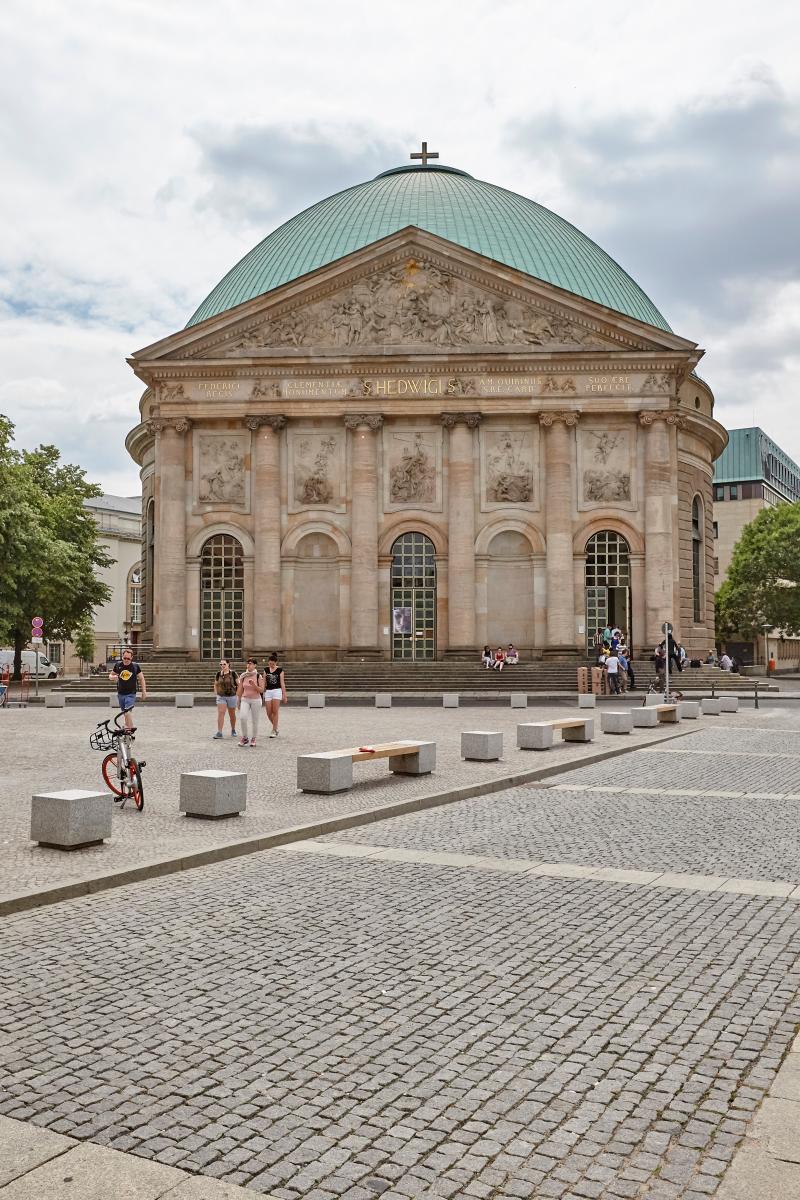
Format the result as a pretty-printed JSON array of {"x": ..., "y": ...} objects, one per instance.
[{"x": 101, "y": 740}]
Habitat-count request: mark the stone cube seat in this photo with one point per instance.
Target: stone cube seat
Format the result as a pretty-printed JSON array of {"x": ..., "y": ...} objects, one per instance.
[
  {"x": 316, "y": 700},
  {"x": 184, "y": 699},
  {"x": 729, "y": 704},
  {"x": 709, "y": 707},
  {"x": 450, "y": 700},
  {"x": 519, "y": 699},
  {"x": 587, "y": 700},
  {"x": 55, "y": 700},
  {"x": 480, "y": 745},
  {"x": 616, "y": 722},
  {"x": 213, "y": 794},
  {"x": 644, "y": 718},
  {"x": 383, "y": 700},
  {"x": 690, "y": 709},
  {"x": 71, "y": 819}
]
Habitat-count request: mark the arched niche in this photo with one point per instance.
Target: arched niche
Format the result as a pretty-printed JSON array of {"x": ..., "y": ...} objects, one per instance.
[
  {"x": 509, "y": 589},
  {"x": 316, "y": 590}
]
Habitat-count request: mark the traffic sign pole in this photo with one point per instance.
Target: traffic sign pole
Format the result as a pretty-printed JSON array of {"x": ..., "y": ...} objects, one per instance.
[{"x": 37, "y": 637}]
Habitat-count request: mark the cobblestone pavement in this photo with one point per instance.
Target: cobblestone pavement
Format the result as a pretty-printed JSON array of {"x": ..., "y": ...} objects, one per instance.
[
  {"x": 751, "y": 838},
  {"x": 313, "y": 1026},
  {"x": 45, "y": 749}
]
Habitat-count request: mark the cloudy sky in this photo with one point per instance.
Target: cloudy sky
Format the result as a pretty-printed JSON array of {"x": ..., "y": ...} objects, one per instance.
[{"x": 147, "y": 146}]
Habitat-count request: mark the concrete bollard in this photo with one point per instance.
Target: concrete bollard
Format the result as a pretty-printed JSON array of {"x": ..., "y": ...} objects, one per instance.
[
  {"x": 710, "y": 708},
  {"x": 729, "y": 703},
  {"x": 71, "y": 819},
  {"x": 316, "y": 700},
  {"x": 644, "y": 718},
  {"x": 213, "y": 794},
  {"x": 383, "y": 700},
  {"x": 689, "y": 710},
  {"x": 519, "y": 700},
  {"x": 55, "y": 700},
  {"x": 587, "y": 700},
  {"x": 450, "y": 700},
  {"x": 184, "y": 699},
  {"x": 616, "y": 722},
  {"x": 480, "y": 745}
]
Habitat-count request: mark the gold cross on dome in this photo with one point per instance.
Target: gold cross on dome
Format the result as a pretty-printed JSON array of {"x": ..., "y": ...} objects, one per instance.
[{"x": 425, "y": 154}]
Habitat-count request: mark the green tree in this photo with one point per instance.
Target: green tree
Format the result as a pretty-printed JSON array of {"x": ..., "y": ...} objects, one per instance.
[
  {"x": 763, "y": 582},
  {"x": 49, "y": 547},
  {"x": 83, "y": 640}
]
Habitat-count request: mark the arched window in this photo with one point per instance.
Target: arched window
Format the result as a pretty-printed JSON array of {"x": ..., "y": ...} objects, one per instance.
[
  {"x": 608, "y": 585},
  {"x": 413, "y": 597},
  {"x": 135, "y": 595},
  {"x": 222, "y": 598},
  {"x": 697, "y": 559}
]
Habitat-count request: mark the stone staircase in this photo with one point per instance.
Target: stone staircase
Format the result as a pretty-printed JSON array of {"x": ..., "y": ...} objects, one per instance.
[{"x": 358, "y": 678}]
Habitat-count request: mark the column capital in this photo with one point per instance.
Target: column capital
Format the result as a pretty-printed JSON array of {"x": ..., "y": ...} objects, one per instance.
[
  {"x": 471, "y": 419},
  {"x": 357, "y": 420},
  {"x": 155, "y": 425},
  {"x": 159, "y": 424},
  {"x": 661, "y": 414},
  {"x": 276, "y": 423},
  {"x": 569, "y": 417}
]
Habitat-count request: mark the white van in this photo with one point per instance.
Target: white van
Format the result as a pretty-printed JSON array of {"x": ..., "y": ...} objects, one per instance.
[{"x": 47, "y": 670}]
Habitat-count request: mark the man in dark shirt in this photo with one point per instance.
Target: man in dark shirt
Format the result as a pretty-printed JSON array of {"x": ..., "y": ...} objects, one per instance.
[{"x": 126, "y": 673}]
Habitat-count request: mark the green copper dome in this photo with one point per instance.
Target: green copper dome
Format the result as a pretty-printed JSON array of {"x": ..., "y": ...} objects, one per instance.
[{"x": 490, "y": 220}]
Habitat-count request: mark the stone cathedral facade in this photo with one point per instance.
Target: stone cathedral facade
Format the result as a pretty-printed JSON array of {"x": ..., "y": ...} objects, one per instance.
[{"x": 408, "y": 442}]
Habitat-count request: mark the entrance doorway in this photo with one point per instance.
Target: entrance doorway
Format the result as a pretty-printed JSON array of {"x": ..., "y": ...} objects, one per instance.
[
  {"x": 608, "y": 585},
  {"x": 222, "y": 598},
  {"x": 413, "y": 592}
]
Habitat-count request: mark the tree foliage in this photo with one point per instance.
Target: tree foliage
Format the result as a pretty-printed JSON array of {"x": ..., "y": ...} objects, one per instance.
[
  {"x": 49, "y": 548},
  {"x": 83, "y": 640},
  {"x": 763, "y": 582}
]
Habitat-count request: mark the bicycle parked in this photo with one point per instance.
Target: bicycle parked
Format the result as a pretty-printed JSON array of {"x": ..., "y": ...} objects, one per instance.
[{"x": 121, "y": 772}]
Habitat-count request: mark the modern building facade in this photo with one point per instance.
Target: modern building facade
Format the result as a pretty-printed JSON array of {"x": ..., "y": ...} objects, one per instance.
[
  {"x": 752, "y": 474},
  {"x": 423, "y": 415}
]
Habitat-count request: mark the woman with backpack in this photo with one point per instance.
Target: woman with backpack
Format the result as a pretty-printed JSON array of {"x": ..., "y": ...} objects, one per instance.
[{"x": 226, "y": 682}]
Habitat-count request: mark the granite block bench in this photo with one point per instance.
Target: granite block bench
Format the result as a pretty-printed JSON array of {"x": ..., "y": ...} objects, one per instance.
[
  {"x": 668, "y": 714},
  {"x": 538, "y": 735},
  {"x": 211, "y": 795},
  {"x": 710, "y": 707},
  {"x": 617, "y": 722},
  {"x": 481, "y": 745},
  {"x": 728, "y": 704},
  {"x": 332, "y": 770},
  {"x": 71, "y": 819},
  {"x": 690, "y": 710}
]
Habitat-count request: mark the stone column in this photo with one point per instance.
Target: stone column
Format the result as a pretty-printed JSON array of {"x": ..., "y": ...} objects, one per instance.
[
  {"x": 267, "y": 531},
  {"x": 660, "y": 499},
  {"x": 364, "y": 533},
  {"x": 559, "y": 503},
  {"x": 461, "y": 531},
  {"x": 171, "y": 533}
]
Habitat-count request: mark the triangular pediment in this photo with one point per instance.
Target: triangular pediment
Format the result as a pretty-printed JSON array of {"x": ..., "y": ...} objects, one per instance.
[{"x": 411, "y": 292}]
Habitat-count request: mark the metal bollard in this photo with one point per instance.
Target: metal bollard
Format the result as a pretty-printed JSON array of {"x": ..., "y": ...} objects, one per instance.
[
  {"x": 756, "y": 694},
  {"x": 713, "y": 685}
]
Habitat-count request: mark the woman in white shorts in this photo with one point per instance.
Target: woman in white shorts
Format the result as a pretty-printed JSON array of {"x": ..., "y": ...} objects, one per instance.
[{"x": 274, "y": 692}]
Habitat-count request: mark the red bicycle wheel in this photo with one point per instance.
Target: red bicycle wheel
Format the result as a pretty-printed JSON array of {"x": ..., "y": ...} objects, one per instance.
[
  {"x": 111, "y": 775},
  {"x": 135, "y": 786}
]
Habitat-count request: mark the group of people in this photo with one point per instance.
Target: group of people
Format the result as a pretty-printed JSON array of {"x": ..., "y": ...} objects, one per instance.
[
  {"x": 245, "y": 694},
  {"x": 495, "y": 660},
  {"x": 614, "y": 657}
]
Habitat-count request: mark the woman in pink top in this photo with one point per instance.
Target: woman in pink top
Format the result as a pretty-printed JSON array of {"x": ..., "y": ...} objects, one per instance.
[{"x": 251, "y": 686}]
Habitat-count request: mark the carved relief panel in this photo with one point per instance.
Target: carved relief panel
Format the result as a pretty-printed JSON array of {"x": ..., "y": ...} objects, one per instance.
[
  {"x": 418, "y": 303},
  {"x": 221, "y": 470},
  {"x": 317, "y": 469},
  {"x": 509, "y": 468},
  {"x": 607, "y": 467},
  {"x": 412, "y": 473}
]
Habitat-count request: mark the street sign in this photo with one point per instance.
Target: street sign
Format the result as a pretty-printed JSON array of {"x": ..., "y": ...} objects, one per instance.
[
  {"x": 666, "y": 627},
  {"x": 37, "y": 622},
  {"x": 36, "y": 641}
]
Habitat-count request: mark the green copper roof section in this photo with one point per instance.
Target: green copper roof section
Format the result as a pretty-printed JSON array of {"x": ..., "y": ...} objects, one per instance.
[{"x": 442, "y": 200}]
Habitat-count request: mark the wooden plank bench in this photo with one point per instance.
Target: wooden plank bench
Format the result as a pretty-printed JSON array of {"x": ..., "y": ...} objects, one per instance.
[
  {"x": 538, "y": 735},
  {"x": 668, "y": 714},
  {"x": 332, "y": 770}
]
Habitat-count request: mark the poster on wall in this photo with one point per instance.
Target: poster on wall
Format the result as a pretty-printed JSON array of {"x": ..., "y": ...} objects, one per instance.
[{"x": 401, "y": 620}]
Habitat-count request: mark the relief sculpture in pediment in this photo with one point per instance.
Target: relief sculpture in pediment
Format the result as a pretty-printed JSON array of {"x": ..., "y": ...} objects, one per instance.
[{"x": 418, "y": 303}]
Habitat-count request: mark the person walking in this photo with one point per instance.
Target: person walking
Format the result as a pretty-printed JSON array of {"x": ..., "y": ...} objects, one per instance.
[
  {"x": 127, "y": 675},
  {"x": 226, "y": 683},
  {"x": 274, "y": 692},
  {"x": 612, "y": 670},
  {"x": 249, "y": 692}
]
